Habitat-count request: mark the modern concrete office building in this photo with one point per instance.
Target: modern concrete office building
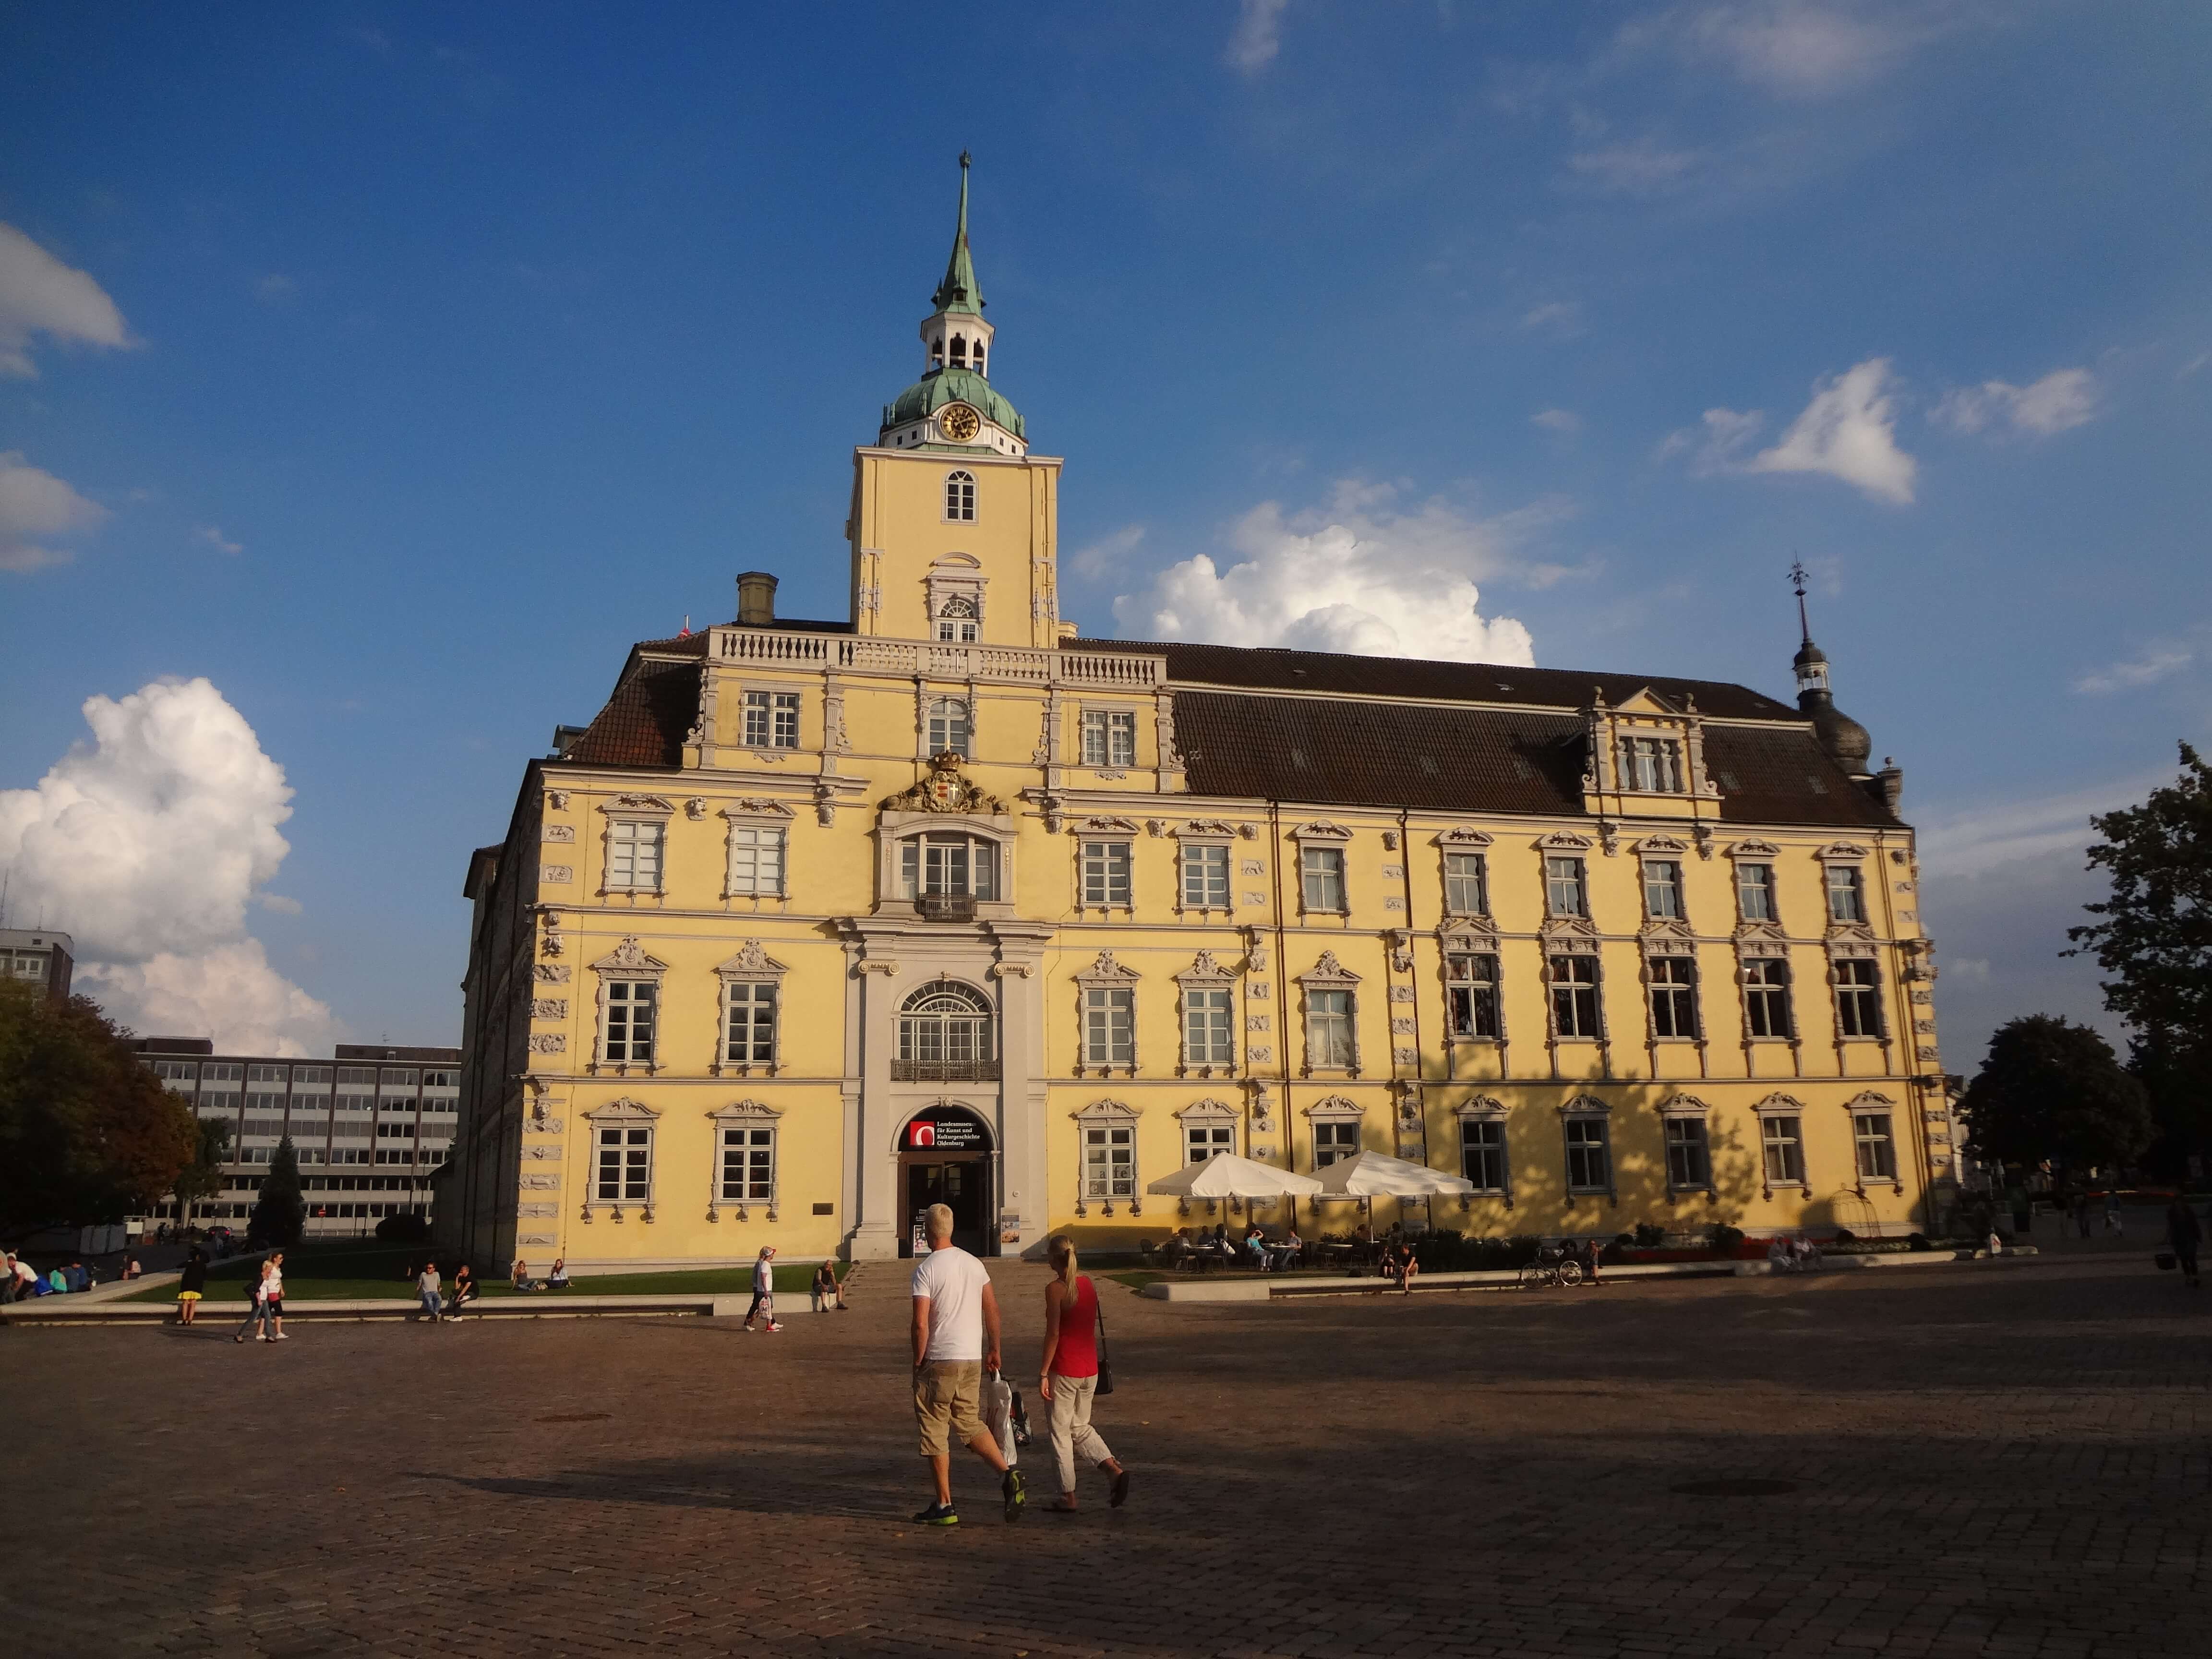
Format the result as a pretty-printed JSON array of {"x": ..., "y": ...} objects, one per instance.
[{"x": 38, "y": 955}]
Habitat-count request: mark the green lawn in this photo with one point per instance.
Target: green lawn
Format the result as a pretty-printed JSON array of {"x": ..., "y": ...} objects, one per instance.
[{"x": 346, "y": 1271}]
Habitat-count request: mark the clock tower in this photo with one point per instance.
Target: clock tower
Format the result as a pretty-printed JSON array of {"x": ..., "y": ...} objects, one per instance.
[{"x": 954, "y": 527}]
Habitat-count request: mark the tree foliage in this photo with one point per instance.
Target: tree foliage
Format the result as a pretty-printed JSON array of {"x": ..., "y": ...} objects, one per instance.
[
  {"x": 280, "y": 1214},
  {"x": 2054, "y": 1091},
  {"x": 204, "y": 1176},
  {"x": 88, "y": 1134},
  {"x": 2155, "y": 941}
]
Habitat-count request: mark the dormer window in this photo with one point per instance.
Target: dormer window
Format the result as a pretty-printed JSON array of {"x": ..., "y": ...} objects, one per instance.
[
  {"x": 957, "y": 624},
  {"x": 1651, "y": 766},
  {"x": 960, "y": 497}
]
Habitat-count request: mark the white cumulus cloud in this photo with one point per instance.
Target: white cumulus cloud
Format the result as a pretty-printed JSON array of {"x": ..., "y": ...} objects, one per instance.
[
  {"x": 2061, "y": 399},
  {"x": 1356, "y": 577},
  {"x": 1258, "y": 36},
  {"x": 209, "y": 535},
  {"x": 35, "y": 505},
  {"x": 1849, "y": 431},
  {"x": 1796, "y": 48},
  {"x": 40, "y": 294},
  {"x": 2146, "y": 670},
  {"x": 149, "y": 846},
  {"x": 1563, "y": 422}
]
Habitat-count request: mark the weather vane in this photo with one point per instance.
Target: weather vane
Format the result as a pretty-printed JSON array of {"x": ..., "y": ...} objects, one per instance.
[{"x": 1798, "y": 582}]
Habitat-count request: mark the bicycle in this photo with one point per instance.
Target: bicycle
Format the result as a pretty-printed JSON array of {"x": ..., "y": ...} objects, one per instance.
[{"x": 1552, "y": 1267}]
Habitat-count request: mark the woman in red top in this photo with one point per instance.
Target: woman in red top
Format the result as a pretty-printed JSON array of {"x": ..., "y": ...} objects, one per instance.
[{"x": 1069, "y": 1374}]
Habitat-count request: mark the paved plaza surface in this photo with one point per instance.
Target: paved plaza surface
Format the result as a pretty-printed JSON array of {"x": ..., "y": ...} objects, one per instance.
[{"x": 2001, "y": 1459}]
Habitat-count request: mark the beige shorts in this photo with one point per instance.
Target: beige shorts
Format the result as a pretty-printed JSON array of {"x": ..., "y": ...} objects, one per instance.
[{"x": 948, "y": 1400}]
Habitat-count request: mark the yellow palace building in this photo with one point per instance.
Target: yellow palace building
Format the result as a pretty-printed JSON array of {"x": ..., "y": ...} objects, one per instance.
[{"x": 819, "y": 922}]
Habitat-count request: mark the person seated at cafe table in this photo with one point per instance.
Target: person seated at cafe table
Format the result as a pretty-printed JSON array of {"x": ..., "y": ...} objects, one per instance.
[
  {"x": 1177, "y": 1247},
  {"x": 1255, "y": 1245},
  {"x": 1286, "y": 1249}
]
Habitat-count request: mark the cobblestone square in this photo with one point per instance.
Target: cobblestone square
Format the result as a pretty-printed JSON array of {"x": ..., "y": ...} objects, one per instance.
[{"x": 1992, "y": 1460}]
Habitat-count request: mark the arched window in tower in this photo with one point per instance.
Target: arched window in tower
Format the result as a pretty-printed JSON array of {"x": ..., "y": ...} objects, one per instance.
[
  {"x": 975, "y": 358},
  {"x": 960, "y": 497},
  {"x": 949, "y": 728},
  {"x": 959, "y": 351},
  {"x": 945, "y": 1037},
  {"x": 937, "y": 351}
]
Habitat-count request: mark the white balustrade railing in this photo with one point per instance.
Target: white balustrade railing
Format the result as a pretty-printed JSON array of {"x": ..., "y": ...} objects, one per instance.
[{"x": 933, "y": 659}]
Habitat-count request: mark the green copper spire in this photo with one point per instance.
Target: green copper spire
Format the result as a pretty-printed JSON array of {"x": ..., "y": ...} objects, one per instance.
[{"x": 959, "y": 291}]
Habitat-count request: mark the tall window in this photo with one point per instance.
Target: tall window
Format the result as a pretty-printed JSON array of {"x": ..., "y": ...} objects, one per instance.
[
  {"x": 1109, "y": 736},
  {"x": 748, "y": 1166},
  {"x": 1846, "y": 893},
  {"x": 1662, "y": 890},
  {"x": 1784, "y": 1148},
  {"x": 1471, "y": 993},
  {"x": 947, "y": 1025},
  {"x": 960, "y": 495},
  {"x": 1574, "y": 996},
  {"x": 1651, "y": 765},
  {"x": 757, "y": 859},
  {"x": 1754, "y": 892},
  {"x": 1858, "y": 998},
  {"x": 1689, "y": 1153},
  {"x": 1321, "y": 870},
  {"x": 1109, "y": 1163},
  {"x": 749, "y": 1038},
  {"x": 631, "y": 1005},
  {"x": 634, "y": 855},
  {"x": 1877, "y": 1147},
  {"x": 1562, "y": 887},
  {"x": 1334, "y": 1141},
  {"x": 1674, "y": 997},
  {"x": 624, "y": 1174},
  {"x": 1106, "y": 872},
  {"x": 948, "y": 726},
  {"x": 957, "y": 620},
  {"x": 1766, "y": 996},
  {"x": 1110, "y": 1025},
  {"x": 1204, "y": 876},
  {"x": 1482, "y": 1153},
  {"x": 1202, "y": 1141},
  {"x": 1590, "y": 1156},
  {"x": 1467, "y": 884},
  {"x": 1329, "y": 1029},
  {"x": 771, "y": 720},
  {"x": 1208, "y": 1039},
  {"x": 948, "y": 864}
]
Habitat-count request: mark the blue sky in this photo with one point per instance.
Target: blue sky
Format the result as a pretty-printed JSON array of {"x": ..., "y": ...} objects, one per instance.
[{"x": 393, "y": 369}]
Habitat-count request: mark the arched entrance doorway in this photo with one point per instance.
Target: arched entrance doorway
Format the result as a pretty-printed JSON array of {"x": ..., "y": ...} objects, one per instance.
[{"x": 944, "y": 1156}]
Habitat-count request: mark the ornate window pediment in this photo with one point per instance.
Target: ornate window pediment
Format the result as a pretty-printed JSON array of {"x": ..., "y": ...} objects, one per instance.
[
  {"x": 1682, "y": 1106},
  {"x": 1564, "y": 840},
  {"x": 1328, "y": 971},
  {"x": 1481, "y": 1106},
  {"x": 1107, "y": 1111},
  {"x": 1843, "y": 849},
  {"x": 1107, "y": 971},
  {"x": 745, "y": 1112},
  {"x": 753, "y": 806},
  {"x": 1586, "y": 1106},
  {"x": 1206, "y": 967},
  {"x": 630, "y": 958},
  {"x": 622, "y": 1110},
  {"x": 1321, "y": 829},
  {"x": 1209, "y": 1111},
  {"x": 637, "y": 804},
  {"x": 1661, "y": 846},
  {"x": 1462, "y": 837},
  {"x": 1335, "y": 1109},
  {"x": 1467, "y": 933},
  {"x": 1210, "y": 830},
  {"x": 1560, "y": 931},
  {"x": 1104, "y": 826},
  {"x": 1761, "y": 850},
  {"x": 1778, "y": 1102},
  {"x": 751, "y": 962},
  {"x": 1869, "y": 1100},
  {"x": 1761, "y": 939}
]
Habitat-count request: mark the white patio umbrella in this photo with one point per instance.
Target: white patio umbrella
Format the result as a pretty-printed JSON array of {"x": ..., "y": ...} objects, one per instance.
[
  {"x": 1376, "y": 1174},
  {"x": 1230, "y": 1176}
]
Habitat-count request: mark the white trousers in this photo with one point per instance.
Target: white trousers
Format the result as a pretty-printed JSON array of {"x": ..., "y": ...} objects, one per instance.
[{"x": 1072, "y": 1433}]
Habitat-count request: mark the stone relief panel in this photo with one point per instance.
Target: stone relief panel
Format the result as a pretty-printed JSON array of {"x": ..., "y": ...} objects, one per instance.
[{"x": 549, "y": 1008}]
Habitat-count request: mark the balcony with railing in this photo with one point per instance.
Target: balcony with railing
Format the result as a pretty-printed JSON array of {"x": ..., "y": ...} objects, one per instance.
[
  {"x": 945, "y": 907},
  {"x": 944, "y": 1071},
  {"x": 1127, "y": 670}
]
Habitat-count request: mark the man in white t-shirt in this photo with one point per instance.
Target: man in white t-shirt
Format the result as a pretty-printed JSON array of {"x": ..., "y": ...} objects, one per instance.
[{"x": 955, "y": 1340}]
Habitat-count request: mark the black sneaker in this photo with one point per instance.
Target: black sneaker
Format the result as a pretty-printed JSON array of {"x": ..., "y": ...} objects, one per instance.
[
  {"x": 938, "y": 1514},
  {"x": 1015, "y": 1493}
]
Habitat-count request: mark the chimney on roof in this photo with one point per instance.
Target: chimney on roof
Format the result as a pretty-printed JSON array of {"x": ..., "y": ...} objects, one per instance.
[{"x": 755, "y": 599}]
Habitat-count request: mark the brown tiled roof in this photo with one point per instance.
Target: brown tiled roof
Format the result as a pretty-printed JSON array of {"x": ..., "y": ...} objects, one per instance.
[
  {"x": 1265, "y": 668},
  {"x": 644, "y": 722}
]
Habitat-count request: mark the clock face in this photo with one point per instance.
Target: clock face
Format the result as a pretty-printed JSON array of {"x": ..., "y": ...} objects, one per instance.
[{"x": 960, "y": 423}]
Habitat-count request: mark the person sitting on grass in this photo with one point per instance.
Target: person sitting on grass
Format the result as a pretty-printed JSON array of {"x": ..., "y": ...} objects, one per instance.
[
  {"x": 520, "y": 1275},
  {"x": 559, "y": 1278}
]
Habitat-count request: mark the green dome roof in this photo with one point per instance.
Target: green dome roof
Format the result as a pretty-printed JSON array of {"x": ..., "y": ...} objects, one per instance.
[{"x": 941, "y": 387}]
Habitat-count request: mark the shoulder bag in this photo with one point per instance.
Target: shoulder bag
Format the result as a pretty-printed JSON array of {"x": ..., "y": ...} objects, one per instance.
[{"x": 1105, "y": 1365}]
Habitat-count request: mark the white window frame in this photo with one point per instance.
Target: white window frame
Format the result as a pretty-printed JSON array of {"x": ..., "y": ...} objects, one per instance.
[
  {"x": 914, "y": 883},
  {"x": 1648, "y": 764},
  {"x": 1653, "y": 985},
  {"x": 1106, "y": 989},
  {"x": 744, "y": 976},
  {"x": 1345, "y": 1122},
  {"x": 1861, "y": 1110},
  {"x": 949, "y": 726},
  {"x": 1774, "y": 1110},
  {"x": 1574, "y": 878},
  {"x": 1750, "y": 987},
  {"x": 1662, "y": 886},
  {"x": 631, "y": 828},
  {"x": 759, "y": 825},
  {"x": 1867, "y": 993},
  {"x": 1109, "y": 736},
  {"x": 1582, "y": 1113},
  {"x": 1489, "y": 1114},
  {"x": 1109, "y": 1129},
  {"x": 1454, "y": 952},
  {"x": 778, "y": 709},
  {"x": 1105, "y": 873},
  {"x": 1208, "y": 1130},
  {"x": 1200, "y": 850},
  {"x": 960, "y": 496},
  {"x": 1329, "y": 976},
  {"x": 1456, "y": 891},
  {"x": 1841, "y": 878},
  {"x": 1769, "y": 894},
  {"x": 1322, "y": 865},
  {"x": 633, "y": 1124},
  {"x": 628, "y": 965},
  {"x": 738, "y": 1129},
  {"x": 1554, "y": 986},
  {"x": 1680, "y": 1111}
]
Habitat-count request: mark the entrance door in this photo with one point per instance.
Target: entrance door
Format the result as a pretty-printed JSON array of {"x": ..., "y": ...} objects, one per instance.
[{"x": 962, "y": 1184}]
